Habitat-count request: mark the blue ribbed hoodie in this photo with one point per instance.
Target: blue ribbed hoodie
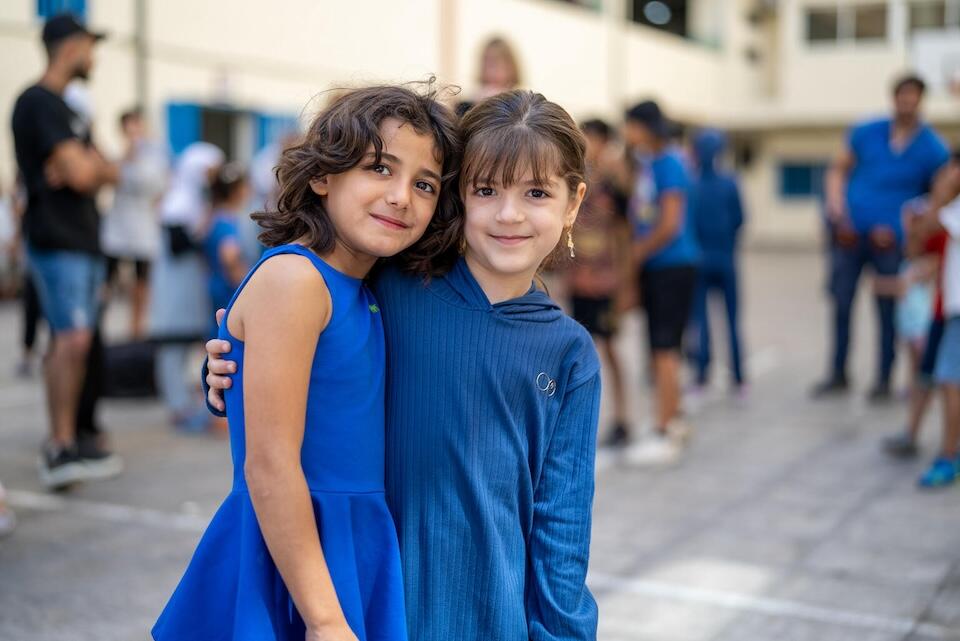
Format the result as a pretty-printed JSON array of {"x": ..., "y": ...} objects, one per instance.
[
  {"x": 714, "y": 203},
  {"x": 491, "y": 435}
]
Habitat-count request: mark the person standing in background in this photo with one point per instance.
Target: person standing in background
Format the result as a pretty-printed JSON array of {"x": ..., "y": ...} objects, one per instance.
[
  {"x": 602, "y": 265},
  {"x": 62, "y": 172},
  {"x": 944, "y": 214},
  {"x": 666, "y": 255},
  {"x": 226, "y": 263},
  {"x": 179, "y": 300},
  {"x": 131, "y": 230},
  {"x": 717, "y": 215},
  {"x": 885, "y": 163},
  {"x": 499, "y": 71}
]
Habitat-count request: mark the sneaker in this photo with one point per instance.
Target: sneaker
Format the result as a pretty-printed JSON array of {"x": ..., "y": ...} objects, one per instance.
[
  {"x": 60, "y": 467},
  {"x": 900, "y": 446},
  {"x": 831, "y": 387},
  {"x": 618, "y": 438},
  {"x": 880, "y": 394},
  {"x": 653, "y": 449},
  {"x": 679, "y": 431},
  {"x": 24, "y": 369},
  {"x": 941, "y": 473},
  {"x": 7, "y": 519},
  {"x": 741, "y": 393},
  {"x": 99, "y": 462}
]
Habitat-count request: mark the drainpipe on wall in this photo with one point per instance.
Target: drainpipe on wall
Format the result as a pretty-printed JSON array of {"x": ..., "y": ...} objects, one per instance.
[{"x": 140, "y": 55}]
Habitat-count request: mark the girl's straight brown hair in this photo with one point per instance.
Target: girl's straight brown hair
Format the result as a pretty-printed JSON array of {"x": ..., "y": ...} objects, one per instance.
[{"x": 505, "y": 136}]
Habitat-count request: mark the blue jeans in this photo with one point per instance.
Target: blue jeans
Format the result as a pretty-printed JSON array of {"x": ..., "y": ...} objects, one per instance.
[
  {"x": 948, "y": 359},
  {"x": 68, "y": 285},
  {"x": 724, "y": 279},
  {"x": 846, "y": 265}
]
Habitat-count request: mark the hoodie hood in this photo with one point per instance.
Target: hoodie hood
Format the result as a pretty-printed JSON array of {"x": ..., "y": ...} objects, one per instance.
[
  {"x": 707, "y": 145},
  {"x": 460, "y": 288}
]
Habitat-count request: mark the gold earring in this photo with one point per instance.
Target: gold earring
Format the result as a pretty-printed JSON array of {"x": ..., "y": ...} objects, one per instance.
[{"x": 570, "y": 242}]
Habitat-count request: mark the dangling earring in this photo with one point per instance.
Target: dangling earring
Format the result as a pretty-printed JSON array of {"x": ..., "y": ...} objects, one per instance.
[{"x": 570, "y": 242}]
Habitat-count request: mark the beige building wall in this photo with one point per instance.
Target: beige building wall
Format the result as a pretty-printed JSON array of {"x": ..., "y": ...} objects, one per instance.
[{"x": 758, "y": 77}]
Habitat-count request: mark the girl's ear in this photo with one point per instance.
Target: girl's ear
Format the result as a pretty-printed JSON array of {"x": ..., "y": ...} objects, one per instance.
[
  {"x": 320, "y": 186},
  {"x": 576, "y": 200}
]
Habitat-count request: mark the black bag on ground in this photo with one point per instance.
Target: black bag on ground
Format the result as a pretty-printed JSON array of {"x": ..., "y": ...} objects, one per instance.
[{"x": 128, "y": 370}]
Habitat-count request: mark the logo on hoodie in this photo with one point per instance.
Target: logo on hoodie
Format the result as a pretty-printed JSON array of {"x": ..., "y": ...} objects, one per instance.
[{"x": 546, "y": 384}]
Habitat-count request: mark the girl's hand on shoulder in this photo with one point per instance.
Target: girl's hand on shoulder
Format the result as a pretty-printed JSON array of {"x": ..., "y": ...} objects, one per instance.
[{"x": 219, "y": 370}]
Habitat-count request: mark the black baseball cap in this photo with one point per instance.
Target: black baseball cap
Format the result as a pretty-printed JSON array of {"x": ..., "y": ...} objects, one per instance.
[
  {"x": 64, "y": 25},
  {"x": 648, "y": 114}
]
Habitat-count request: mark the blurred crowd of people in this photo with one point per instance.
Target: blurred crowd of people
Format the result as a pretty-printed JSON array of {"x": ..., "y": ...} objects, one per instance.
[
  {"x": 174, "y": 236},
  {"x": 660, "y": 229}
]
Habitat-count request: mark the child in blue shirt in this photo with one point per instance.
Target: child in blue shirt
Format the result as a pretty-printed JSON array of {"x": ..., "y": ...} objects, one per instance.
[
  {"x": 666, "y": 255},
  {"x": 229, "y": 193}
]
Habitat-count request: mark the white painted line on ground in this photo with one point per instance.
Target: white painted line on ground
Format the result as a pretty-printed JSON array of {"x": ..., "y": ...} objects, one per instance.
[
  {"x": 110, "y": 512},
  {"x": 740, "y": 602},
  {"x": 772, "y": 607}
]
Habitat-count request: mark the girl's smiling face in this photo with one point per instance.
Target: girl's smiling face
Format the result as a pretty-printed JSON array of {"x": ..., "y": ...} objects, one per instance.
[
  {"x": 511, "y": 228},
  {"x": 380, "y": 208}
]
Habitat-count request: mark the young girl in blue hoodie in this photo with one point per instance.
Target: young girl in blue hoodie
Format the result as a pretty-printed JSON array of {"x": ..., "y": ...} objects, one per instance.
[{"x": 493, "y": 395}]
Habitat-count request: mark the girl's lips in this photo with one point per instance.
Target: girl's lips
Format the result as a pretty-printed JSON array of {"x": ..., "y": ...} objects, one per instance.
[
  {"x": 389, "y": 222},
  {"x": 510, "y": 240}
]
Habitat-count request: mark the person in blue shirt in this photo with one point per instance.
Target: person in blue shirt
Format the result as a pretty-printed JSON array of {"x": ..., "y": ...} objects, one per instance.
[
  {"x": 717, "y": 215},
  {"x": 492, "y": 394},
  {"x": 666, "y": 253},
  {"x": 229, "y": 193},
  {"x": 885, "y": 163}
]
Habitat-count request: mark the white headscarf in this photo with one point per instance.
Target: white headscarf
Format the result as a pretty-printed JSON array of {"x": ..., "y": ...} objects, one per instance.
[{"x": 185, "y": 203}]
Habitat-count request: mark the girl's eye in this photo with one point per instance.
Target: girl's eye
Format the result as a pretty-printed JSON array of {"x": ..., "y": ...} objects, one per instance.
[
  {"x": 381, "y": 169},
  {"x": 427, "y": 187},
  {"x": 484, "y": 192},
  {"x": 538, "y": 193}
]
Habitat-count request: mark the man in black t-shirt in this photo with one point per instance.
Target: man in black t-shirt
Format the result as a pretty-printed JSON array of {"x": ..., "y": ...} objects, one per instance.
[{"x": 62, "y": 172}]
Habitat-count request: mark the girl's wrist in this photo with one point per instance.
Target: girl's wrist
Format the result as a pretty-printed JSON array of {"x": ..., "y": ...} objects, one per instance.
[{"x": 323, "y": 621}]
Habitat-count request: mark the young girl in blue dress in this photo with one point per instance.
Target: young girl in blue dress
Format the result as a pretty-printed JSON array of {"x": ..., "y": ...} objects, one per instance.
[
  {"x": 492, "y": 395},
  {"x": 304, "y": 546}
]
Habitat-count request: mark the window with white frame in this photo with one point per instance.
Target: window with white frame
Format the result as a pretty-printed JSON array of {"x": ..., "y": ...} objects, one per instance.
[
  {"x": 933, "y": 15},
  {"x": 847, "y": 22}
]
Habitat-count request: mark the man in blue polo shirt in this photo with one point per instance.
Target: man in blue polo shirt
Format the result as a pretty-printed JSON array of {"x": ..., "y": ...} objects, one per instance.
[{"x": 885, "y": 163}]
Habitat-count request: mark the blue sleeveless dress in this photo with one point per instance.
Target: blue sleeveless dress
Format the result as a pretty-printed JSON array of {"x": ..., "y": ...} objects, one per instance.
[{"x": 232, "y": 589}]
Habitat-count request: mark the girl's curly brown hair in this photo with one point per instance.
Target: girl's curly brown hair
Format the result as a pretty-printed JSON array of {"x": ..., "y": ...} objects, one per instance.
[{"x": 337, "y": 140}]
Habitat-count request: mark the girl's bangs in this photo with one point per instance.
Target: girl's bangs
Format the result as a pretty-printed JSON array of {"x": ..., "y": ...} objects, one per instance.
[{"x": 506, "y": 156}]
